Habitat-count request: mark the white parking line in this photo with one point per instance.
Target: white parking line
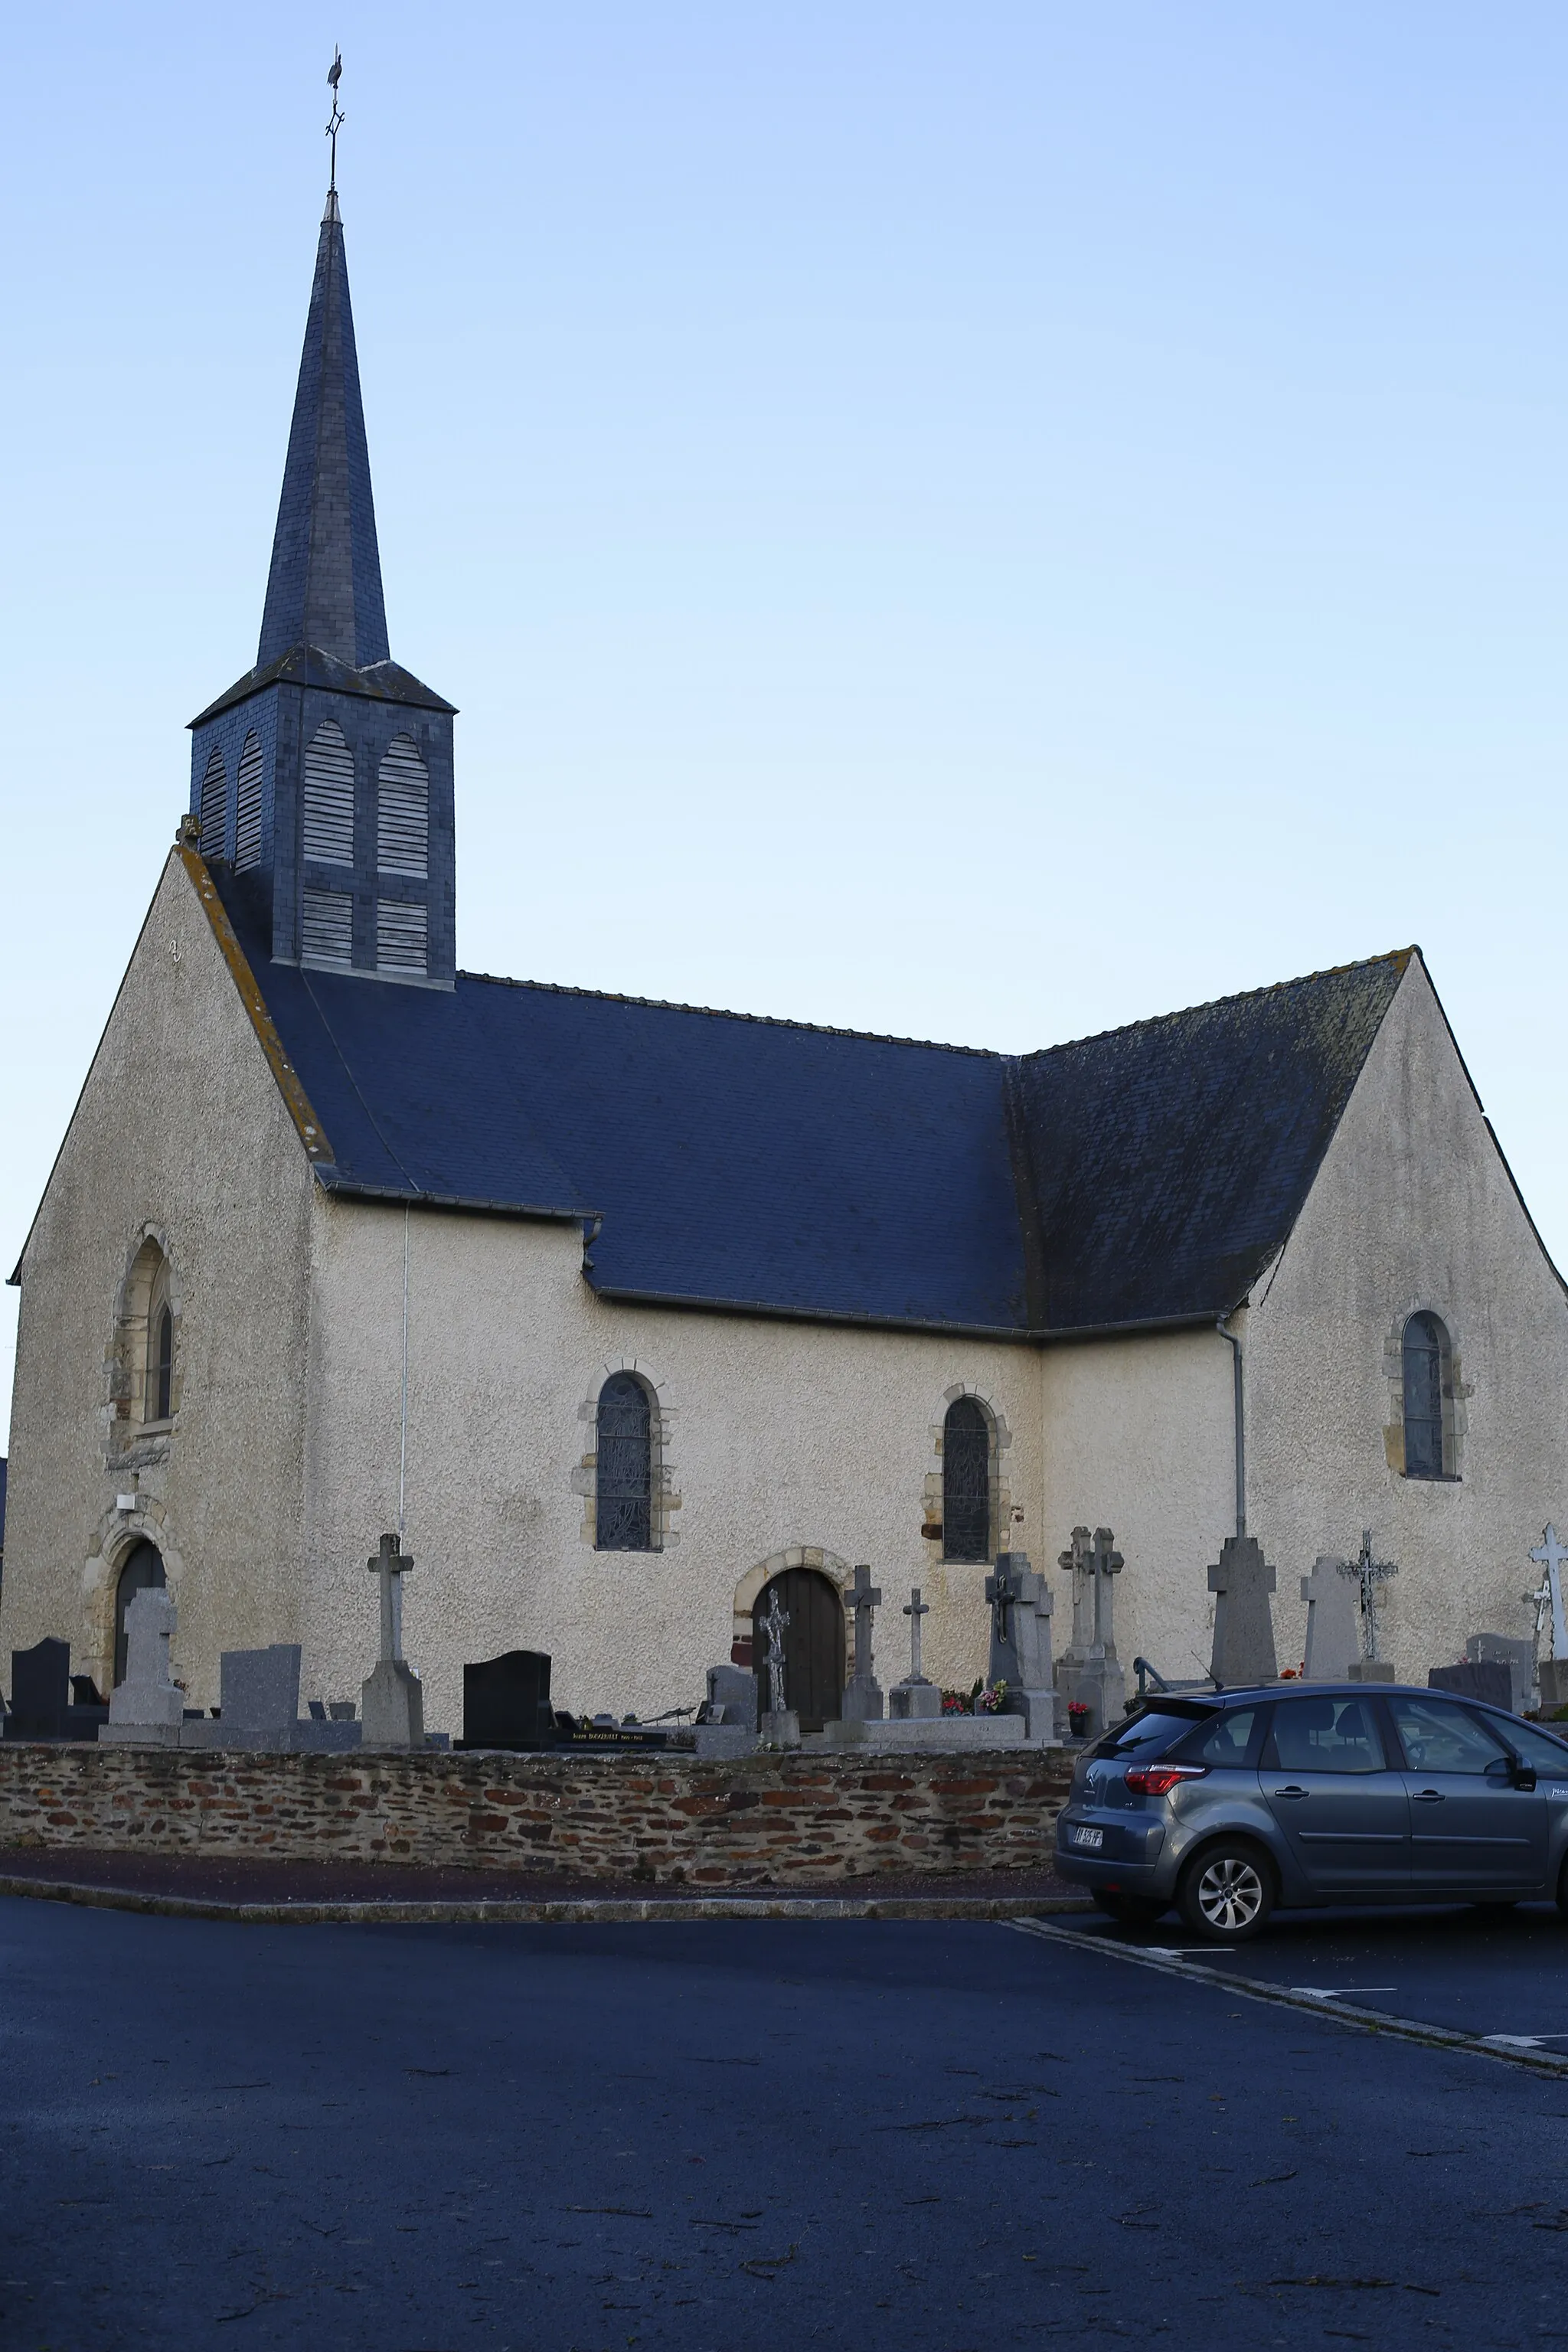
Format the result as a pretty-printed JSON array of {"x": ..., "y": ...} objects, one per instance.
[
  {"x": 1509, "y": 2049},
  {"x": 1337, "y": 1992}
]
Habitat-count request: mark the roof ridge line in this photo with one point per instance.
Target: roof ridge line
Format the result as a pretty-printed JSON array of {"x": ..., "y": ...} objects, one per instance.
[
  {"x": 1212, "y": 1003},
  {"x": 723, "y": 1012}
]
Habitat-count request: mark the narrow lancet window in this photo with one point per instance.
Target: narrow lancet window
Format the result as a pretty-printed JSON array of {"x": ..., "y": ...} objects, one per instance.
[
  {"x": 1425, "y": 1380},
  {"x": 624, "y": 1507},
  {"x": 966, "y": 1481}
]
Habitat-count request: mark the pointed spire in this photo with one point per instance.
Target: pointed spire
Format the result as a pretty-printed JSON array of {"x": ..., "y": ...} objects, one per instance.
[{"x": 324, "y": 588}]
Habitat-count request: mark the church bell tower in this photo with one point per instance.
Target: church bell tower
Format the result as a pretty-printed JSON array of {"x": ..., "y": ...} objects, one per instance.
[{"x": 323, "y": 779}]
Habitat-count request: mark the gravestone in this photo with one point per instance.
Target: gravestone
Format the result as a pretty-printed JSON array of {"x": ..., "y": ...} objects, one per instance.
[
  {"x": 780, "y": 1725},
  {"x": 1333, "y": 1623},
  {"x": 259, "y": 1692},
  {"x": 1089, "y": 1675},
  {"x": 734, "y": 1691},
  {"x": 914, "y": 1700},
  {"x": 392, "y": 1702},
  {"x": 506, "y": 1703},
  {"x": 1243, "y": 1621},
  {"x": 147, "y": 1709},
  {"x": 41, "y": 1705},
  {"x": 1519, "y": 1657},
  {"x": 1488, "y": 1679},
  {"x": 863, "y": 1692},
  {"x": 1021, "y": 1606}
]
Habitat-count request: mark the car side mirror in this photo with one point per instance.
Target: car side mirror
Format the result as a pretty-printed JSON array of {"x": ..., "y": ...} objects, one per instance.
[{"x": 1524, "y": 1775}]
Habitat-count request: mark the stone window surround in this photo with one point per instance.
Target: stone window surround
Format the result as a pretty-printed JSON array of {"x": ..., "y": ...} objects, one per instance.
[
  {"x": 113, "y": 1540},
  {"x": 1001, "y": 1492},
  {"x": 1456, "y": 1391},
  {"x": 131, "y": 1441},
  {"x": 756, "y": 1581},
  {"x": 664, "y": 1501}
]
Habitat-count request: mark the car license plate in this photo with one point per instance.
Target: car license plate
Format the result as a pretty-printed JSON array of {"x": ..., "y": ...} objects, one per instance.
[{"x": 1090, "y": 1840}]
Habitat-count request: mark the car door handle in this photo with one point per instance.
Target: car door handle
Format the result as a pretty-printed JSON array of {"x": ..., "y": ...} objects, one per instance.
[
  {"x": 1429, "y": 1796},
  {"x": 1291, "y": 1792}
]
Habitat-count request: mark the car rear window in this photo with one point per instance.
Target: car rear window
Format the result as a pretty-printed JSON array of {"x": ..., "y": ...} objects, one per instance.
[
  {"x": 1225, "y": 1740},
  {"x": 1151, "y": 1733}
]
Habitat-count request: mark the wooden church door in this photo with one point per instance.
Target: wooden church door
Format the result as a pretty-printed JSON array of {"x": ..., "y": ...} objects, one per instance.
[{"x": 813, "y": 1645}]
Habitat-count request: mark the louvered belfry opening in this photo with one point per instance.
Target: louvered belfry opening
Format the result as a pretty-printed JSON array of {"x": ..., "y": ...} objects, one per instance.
[
  {"x": 327, "y": 929},
  {"x": 247, "y": 805},
  {"x": 403, "y": 812},
  {"x": 213, "y": 808},
  {"x": 966, "y": 1481},
  {"x": 329, "y": 796},
  {"x": 402, "y": 944}
]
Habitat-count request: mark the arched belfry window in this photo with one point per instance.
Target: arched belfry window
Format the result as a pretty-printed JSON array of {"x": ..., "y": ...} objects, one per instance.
[
  {"x": 248, "y": 804},
  {"x": 966, "y": 1481},
  {"x": 623, "y": 1516},
  {"x": 329, "y": 796},
  {"x": 213, "y": 810},
  {"x": 403, "y": 812},
  {"x": 1427, "y": 1452}
]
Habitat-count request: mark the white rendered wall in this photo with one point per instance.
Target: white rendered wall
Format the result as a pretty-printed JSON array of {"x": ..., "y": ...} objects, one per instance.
[
  {"x": 1412, "y": 1208},
  {"x": 180, "y": 1130}
]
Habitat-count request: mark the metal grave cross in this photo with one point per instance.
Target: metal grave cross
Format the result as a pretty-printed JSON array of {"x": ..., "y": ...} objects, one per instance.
[
  {"x": 914, "y": 1612},
  {"x": 1369, "y": 1573},
  {"x": 1550, "y": 1555},
  {"x": 1002, "y": 1592},
  {"x": 774, "y": 1625},
  {"x": 392, "y": 1564},
  {"x": 863, "y": 1596}
]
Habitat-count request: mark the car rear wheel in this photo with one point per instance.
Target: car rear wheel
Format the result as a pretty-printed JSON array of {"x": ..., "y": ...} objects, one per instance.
[
  {"x": 1132, "y": 1910},
  {"x": 1228, "y": 1893}
]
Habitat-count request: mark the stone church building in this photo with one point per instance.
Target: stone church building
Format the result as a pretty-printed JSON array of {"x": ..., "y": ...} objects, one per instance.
[{"x": 639, "y": 1307}]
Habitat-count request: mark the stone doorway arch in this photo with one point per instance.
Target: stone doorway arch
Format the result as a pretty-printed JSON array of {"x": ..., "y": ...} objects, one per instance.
[
  {"x": 813, "y": 1644},
  {"x": 142, "y": 1570}
]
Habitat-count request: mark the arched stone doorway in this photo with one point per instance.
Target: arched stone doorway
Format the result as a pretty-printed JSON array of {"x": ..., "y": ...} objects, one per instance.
[
  {"x": 813, "y": 1645},
  {"x": 142, "y": 1569}
]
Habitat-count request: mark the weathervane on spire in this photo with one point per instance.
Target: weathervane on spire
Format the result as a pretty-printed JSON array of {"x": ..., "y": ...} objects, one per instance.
[{"x": 334, "y": 75}]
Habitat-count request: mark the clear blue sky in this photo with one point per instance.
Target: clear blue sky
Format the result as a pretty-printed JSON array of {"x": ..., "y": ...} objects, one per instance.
[{"x": 978, "y": 522}]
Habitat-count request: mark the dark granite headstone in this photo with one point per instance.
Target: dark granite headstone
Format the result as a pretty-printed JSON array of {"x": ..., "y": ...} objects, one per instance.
[
  {"x": 1488, "y": 1679},
  {"x": 40, "y": 1696},
  {"x": 506, "y": 1701}
]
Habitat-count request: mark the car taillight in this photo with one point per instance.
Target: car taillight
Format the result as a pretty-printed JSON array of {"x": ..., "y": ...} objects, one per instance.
[{"x": 1159, "y": 1780}]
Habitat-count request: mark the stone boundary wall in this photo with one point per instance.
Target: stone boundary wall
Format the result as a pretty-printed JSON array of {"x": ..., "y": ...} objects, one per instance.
[{"x": 761, "y": 1820}]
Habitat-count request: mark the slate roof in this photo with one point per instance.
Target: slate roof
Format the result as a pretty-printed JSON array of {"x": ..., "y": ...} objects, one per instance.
[{"x": 1140, "y": 1177}]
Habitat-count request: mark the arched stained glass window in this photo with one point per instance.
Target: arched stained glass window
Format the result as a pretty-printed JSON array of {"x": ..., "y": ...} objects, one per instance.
[
  {"x": 1426, "y": 1378},
  {"x": 161, "y": 1368},
  {"x": 966, "y": 1481},
  {"x": 623, "y": 1515}
]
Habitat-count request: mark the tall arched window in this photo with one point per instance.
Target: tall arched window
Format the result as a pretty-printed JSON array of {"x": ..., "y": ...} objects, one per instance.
[
  {"x": 248, "y": 804},
  {"x": 213, "y": 810},
  {"x": 329, "y": 796},
  {"x": 161, "y": 1365},
  {"x": 966, "y": 1481},
  {"x": 623, "y": 1516},
  {"x": 1426, "y": 1381},
  {"x": 403, "y": 812}
]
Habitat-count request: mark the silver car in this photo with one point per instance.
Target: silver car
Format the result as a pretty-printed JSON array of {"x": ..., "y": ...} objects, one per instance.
[{"x": 1228, "y": 1804}]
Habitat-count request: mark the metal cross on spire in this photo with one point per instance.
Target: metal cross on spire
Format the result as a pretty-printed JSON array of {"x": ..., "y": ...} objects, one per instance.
[
  {"x": 1550, "y": 1555},
  {"x": 1369, "y": 1573},
  {"x": 338, "y": 118}
]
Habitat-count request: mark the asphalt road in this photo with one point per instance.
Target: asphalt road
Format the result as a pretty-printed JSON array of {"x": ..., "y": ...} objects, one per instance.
[{"x": 921, "y": 2135}]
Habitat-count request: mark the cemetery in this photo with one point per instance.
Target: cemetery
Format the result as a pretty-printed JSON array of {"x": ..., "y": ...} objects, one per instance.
[{"x": 727, "y": 1791}]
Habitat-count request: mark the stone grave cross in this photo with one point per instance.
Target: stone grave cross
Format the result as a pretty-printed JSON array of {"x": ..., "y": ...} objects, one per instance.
[
  {"x": 1107, "y": 1564},
  {"x": 392, "y": 1564},
  {"x": 863, "y": 1596},
  {"x": 774, "y": 1625},
  {"x": 1243, "y": 1620},
  {"x": 1078, "y": 1562},
  {"x": 1002, "y": 1592},
  {"x": 1369, "y": 1573},
  {"x": 1550, "y": 1555},
  {"x": 914, "y": 1612}
]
